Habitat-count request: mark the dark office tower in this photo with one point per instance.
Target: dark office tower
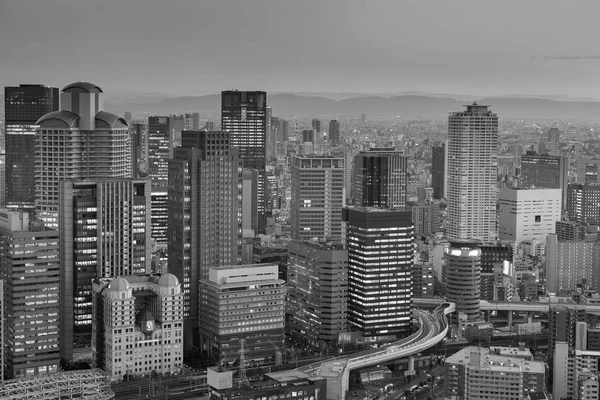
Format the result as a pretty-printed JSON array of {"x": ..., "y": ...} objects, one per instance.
[
  {"x": 105, "y": 232},
  {"x": 570, "y": 231},
  {"x": 192, "y": 121},
  {"x": 271, "y": 143},
  {"x": 308, "y": 136},
  {"x": 244, "y": 116},
  {"x": 79, "y": 142},
  {"x": 139, "y": 150},
  {"x": 587, "y": 170},
  {"x": 380, "y": 178},
  {"x": 205, "y": 222},
  {"x": 583, "y": 203},
  {"x": 438, "y": 169},
  {"x": 317, "y": 197},
  {"x": 380, "y": 262},
  {"x": 545, "y": 172},
  {"x": 209, "y": 126},
  {"x": 249, "y": 200},
  {"x": 492, "y": 254},
  {"x": 285, "y": 135},
  {"x": 334, "y": 133},
  {"x": 553, "y": 138},
  {"x": 177, "y": 125},
  {"x": 128, "y": 118},
  {"x": 316, "y": 125},
  {"x": 423, "y": 215},
  {"x": 31, "y": 289},
  {"x": 159, "y": 145},
  {"x": 463, "y": 277},
  {"x": 23, "y": 106}
]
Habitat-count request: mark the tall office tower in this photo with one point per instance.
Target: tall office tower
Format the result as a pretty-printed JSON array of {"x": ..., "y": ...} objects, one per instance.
[
  {"x": 205, "y": 223},
  {"x": 23, "y": 106},
  {"x": 159, "y": 147},
  {"x": 472, "y": 155},
  {"x": 177, "y": 125},
  {"x": 209, "y": 126},
  {"x": 570, "y": 230},
  {"x": 128, "y": 117},
  {"x": 317, "y": 197},
  {"x": 105, "y": 231},
  {"x": 31, "y": 295},
  {"x": 438, "y": 169},
  {"x": 583, "y": 203},
  {"x": 423, "y": 215},
  {"x": 363, "y": 118},
  {"x": 463, "y": 277},
  {"x": 317, "y": 281},
  {"x": 587, "y": 170},
  {"x": 380, "y": 262},
  {"x": 528, "y": 214},
  {"x": 422, "y": 280},
  {"x": 244, "y": 116},
  {"x": 249, "y": 201},
  {"x": 78, "y": 142},
  {"x": 308, "y": 136},
  {"x": 138, "y": 329},
  {"x": 285, "y": 131},
  {"x": 334, "y": 133},
  {"x": 545, "y": 172},
  {"x": 380, "y": 178},
  {"x": 570, "y": 263},
  {"x": 553, "y": 138},
  {"x": 562, "y": 324},
  {"x": 192, "y": 122},
  {"x": 316, "y": 125},
  {"x": 160, "y": 214},
  {"x": 493, "y": 258},
  {"x": 242, "y": 302},
  {"x": 139, "y": 150}
]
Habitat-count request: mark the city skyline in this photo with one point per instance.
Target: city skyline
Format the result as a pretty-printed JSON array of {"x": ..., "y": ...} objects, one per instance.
[{"x": 195, "y": 48}]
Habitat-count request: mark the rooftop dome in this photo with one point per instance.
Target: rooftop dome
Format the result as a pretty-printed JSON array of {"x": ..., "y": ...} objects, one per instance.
[
  {"x": 118, "y": 284},
  {"x": 144, "y": 316},
  {"x": 63, "y": 117},
  {"x": 82, "y": 86},
  {"x": 168, "y": 280},
  {"x": 108, "y": 120}
]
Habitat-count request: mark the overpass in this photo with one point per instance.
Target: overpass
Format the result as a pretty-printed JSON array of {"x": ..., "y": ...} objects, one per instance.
[
  {"x": 433, "y": 327},
  {"x": 521, "y": 306}
]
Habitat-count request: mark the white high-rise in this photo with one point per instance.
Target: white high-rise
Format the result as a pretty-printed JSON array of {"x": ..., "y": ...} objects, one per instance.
[{"x": 472, "y": 164}]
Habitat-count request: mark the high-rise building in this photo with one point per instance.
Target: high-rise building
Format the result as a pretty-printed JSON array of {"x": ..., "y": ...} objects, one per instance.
[
  {"x": 284, "y": 135},
  {"x": 308, "y": 136},
  {"x": 422, "y": 280},
  {"x": 138, "y": 325},
  {"x": 587, "y": 170},
  {"x": 244, "y": 116},
  {"x": 545, "y": 172},
  {"x": 105, "y": 232},
  {"x": 553, "y": 138},
  {"x": 583, "y": 203},
  {"x": 380, "y": 262},
  {"x": 363, "y": 118},
  {"x": 493, "y": 258},
  {"x": 317, "y": 197},
  {"x": 23, "y": 106},
  {"x": 570, "y": 230},
  {"x": 128, "y": 117},
  {"x": 334, "y": 133},
  {"x": 31, "y": 295},
  {"x": 571, "y": 263},
  {"x": 528, "y": 214},
  {"x": 380, "y": 178},
  {"x": 204, "y": 207},
  {"x": 438, "y": 170},
  {"x": 249, "y": 200},
  {"x": 192, "y": 122},
  {"x": 242, "y": 302},
  {"x": 423, "y": 217},
  {"x": 316, "y": 125},
  {"x": 463, "y": 277},
  {"x": 472, "y": 158},
  {"x": 160, "y": 214},
  {"x": 159, "y": 149},
  {"x": 317, "y": 282},
  {"x": 139, "y": 150},
  {"x": 81, "y": 141}
]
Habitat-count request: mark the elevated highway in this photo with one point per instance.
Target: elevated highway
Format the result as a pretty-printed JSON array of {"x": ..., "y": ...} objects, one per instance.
[
  {"x": 523, "y": 306},
  {"x": 433, "y": 327}
]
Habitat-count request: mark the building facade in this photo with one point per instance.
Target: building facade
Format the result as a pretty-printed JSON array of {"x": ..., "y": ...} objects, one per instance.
[
  {"x": 583, "y": 203},
  {"x": 463, "y": 277},
  {"x": 569, "y": 263},
  {"x": 545, "y": 172},
  {"x": 472, "y": 163},
  {"x": 438, "y": 170},
  {"x": 159, "y": 149},
  {"x": 334, "y": 133}
]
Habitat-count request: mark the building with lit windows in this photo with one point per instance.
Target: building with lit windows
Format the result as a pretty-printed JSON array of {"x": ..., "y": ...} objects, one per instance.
[
  {"x": 471, "y": 171},
  {"x": 545, "y": 172},
  {"x": 244, "y": 116},
  {"x": 242, "y": 302},
  {"x": 380, "y": 263},
  {"x": 583, "y": 203},
  {"x": 317, "y": 197},
  {"x": 463, "y": 277},
  {"x": 159, "y": 149},
  {"x": 105, "y": 227},
  {"x": 160, "y": 214},
  {"x": 139, "y": 150},
  {"x": 29, "y": 267},
  {"x": 23, "y": 106},
  {"x": 205, "y": 214},
  {"x": 81, "y": 141},
  {"x": 138, "y": 329}
]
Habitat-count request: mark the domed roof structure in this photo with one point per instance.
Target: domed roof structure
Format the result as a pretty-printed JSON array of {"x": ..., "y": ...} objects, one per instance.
[
  {"x": 144, "y": 316},
  {"x": 82, "y": 86},
  {"x": 63, "y": 117},
  {"x": 108, "y": 120},
  {"x": 168, "y": 280},
  {"x": 118, "y": 284}
]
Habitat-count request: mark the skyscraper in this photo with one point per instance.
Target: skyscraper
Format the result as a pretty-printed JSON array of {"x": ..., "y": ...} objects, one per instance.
[
  {"x": 31, "y": 295},
  {"x": 316, "y": 125},
  {"x": 380, "y": 178},
  {"x": 159, "y": 149},
  {"x": 472, "y": 158},
  {"x": 463, "y": 277},
  {"x": 81, "y": 141},
  {"x": 587, "y": 170},
  {"x": 545, "y": 172},
  {"x": 205, "y": 224},
  {"x": 380, "y": 263},
  {"x": 23, "y": 106},
  {"x": 308, "y": 136},
  {"x": 317, "y": 196},
  {"x": 139, "y": 150},
  {"x": 334, "y": 132},
  {"x": 438, "y": 170},
  {"x": 244, "y": 116},
  {"x": 583, "y": 203},
  {"x": 553, "y": 138},
  {"x": 105, "y": 231}
]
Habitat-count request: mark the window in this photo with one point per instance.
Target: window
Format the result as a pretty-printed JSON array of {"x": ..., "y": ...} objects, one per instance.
[{"x": 538, "y": 218}]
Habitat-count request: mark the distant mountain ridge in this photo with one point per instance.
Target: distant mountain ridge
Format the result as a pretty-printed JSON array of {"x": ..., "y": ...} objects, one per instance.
[{"x": 404, "y": 106}]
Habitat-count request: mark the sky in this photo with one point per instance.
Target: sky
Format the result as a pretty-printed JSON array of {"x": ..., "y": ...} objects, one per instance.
[{"x": 194, "y": 47}]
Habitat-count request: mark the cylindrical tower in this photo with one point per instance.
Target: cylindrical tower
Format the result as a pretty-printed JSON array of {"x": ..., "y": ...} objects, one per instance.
[{"x": 463, "y": 275}]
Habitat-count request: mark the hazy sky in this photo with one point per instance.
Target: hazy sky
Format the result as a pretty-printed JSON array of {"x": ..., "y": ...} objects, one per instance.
[{"x": 481, "y": 47}]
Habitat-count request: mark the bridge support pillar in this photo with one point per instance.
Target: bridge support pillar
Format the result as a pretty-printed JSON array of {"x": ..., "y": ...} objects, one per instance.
[
  {"x": 411, "y": 363},
  {"x": 529, "y": 317},
  {"x": 510, "y": 320}
]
